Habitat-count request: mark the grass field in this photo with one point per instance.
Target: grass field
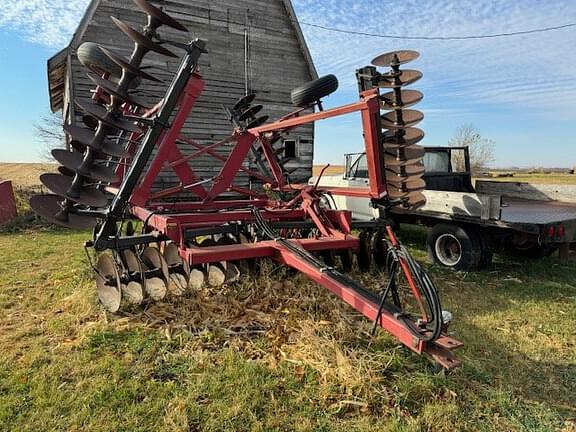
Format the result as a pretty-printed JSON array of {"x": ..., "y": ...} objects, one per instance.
[{"x": 276, "y": 354}]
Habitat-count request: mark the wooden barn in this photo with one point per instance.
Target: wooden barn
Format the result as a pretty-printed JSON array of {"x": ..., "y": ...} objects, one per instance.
[{"x": 255, "y": 46}]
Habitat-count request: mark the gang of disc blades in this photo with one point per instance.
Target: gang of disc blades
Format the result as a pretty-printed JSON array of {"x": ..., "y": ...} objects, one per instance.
[
  {"x": 250, "y": 112},
  {"x": 244, "y": 102},
  {"x": 111, "y": 88},
  {"x": 82, "y": 138}
]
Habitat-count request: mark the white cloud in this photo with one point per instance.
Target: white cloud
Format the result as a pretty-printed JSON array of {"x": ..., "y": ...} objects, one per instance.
[
  {"x": 46, "y": 22},
  {"x": 535, "y": 71}
]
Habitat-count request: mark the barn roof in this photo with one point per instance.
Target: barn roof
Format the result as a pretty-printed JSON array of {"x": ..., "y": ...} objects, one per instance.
[{"x": 58, "y": 64}]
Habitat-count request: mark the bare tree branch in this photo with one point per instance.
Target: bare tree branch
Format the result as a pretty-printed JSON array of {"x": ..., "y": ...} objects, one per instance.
[
  {"x": 48, "y": 131},
  {"x": 482, "y": 150}
]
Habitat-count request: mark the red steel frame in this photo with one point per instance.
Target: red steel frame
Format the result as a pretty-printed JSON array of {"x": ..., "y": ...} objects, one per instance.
[{"x": 172, "y": 219}]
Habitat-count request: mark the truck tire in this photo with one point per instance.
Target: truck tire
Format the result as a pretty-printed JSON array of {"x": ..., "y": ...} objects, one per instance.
[
  {"x": 313, "y": 91},
  {"x": 454, "y": 247},
  {"x": 487, "y": 253},
  {"x": 531, "y": 249}
]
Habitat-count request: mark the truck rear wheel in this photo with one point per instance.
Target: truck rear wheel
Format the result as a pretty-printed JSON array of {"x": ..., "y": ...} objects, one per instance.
[{"x": 454, "y": 247}]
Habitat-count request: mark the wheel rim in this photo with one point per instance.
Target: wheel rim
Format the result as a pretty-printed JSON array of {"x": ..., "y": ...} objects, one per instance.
[{"x": 448, "y": 250}]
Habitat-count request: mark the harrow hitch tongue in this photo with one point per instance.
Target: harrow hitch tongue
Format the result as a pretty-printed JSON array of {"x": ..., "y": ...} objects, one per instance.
[{"x": 209, "y": 229}]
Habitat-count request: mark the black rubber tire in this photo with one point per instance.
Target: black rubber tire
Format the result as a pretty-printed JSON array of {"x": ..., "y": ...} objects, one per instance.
[
  {"x": 313, "y": 91},
  {"x": 531, "y": 250},
  {"x": 487, "y": 249},
  {"x": 92, "y": 57},
  {"x": 469, "y": 253}
]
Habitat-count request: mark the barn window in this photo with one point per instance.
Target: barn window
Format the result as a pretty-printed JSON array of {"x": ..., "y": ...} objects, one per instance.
[{"x": 290, "y": 148}]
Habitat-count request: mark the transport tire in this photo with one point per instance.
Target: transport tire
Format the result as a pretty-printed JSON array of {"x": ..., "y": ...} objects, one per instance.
[
  {"x": 454, "y": 247},
  {"x": 313, "y": 91},
  {"x": 93, "y": 58}
]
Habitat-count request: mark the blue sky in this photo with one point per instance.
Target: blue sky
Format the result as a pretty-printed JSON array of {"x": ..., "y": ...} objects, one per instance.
[{"x": 519, "y": 91}]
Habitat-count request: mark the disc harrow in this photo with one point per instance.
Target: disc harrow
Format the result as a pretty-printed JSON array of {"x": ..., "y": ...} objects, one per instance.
[{"x": 208, "y": 231}]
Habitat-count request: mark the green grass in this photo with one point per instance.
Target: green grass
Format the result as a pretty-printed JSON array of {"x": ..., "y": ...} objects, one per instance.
[{"x": 291, "y": 357}]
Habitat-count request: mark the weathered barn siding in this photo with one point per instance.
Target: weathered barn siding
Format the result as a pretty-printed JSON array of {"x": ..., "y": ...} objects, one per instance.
[{"x": 274, "y": 61}]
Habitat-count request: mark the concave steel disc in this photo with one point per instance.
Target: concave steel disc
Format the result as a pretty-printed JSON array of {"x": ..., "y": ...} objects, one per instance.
[
  {"x": 395, "y": 164},
  {"x": 66, "y": 171},
  {"x": 258, "y": 122},
  {"x": 159, "y": 15},
  {"x": 174, "y": 260},
  {"x": 153, "y": 259},
  {"x": 398, "y": 180},
  {"x": 244, "y": 102},
  {"x": 85, "y": 137},
  {"x": 60, "y": 185},
  {"x": 407, "y": 153},
  {"x": 125, "y": 64},
  {"x": 134, "y": 289},
  {"x": 415, "y": 200},
  {"x": 396, "y": 191},
  {"x": 105, "y": 116},
  {"x": 409, "y": 98},
  {"x": 108, "y": 283},
  {"x": 407, "y": 77},
  {"x": 140, "y": 39},
  {"x": 409, "y": 118},
  {"x": 395, "y": 58},
  {"x": 405, "y": 170},
  {"x": 90, "y": 122},
  {"x": 111, "y": 88},
  {"x": 50, "y": 208},
  {"x": 73, "y": 160},
  {"x": 402, "y": 138},
  {"x": 250, "y": 112}
]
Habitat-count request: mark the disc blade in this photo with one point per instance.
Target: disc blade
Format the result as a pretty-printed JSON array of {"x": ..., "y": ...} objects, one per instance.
[
  {"x": 85, "y": 137},
  {"x": 397, "y": 191},
  {"x": 415, "y": 200},
  {"x": 125, "y": 64},
  {"x": 140, "y": 39},
  {"x": 407, "y": 153},
  {"x": 395, "y": 58},
  {"x": 407, "y": 77},
  {"x": 111, "y": 88},
  {"x": 244, "y": 102},
  {"x": 250, "y": 112},
  {"x": 402, "y": 137},
  {"x": 73, "y": 160},
  {"x": 49, "y": 207},
  {"x": 159, "y": 15},
  {"x": 408, "y": 98},
  {"x": 153, "y": 260},
  {"x": 66, "y": 172},
  {"x": 399, "y": 179},
  {"x": 90, "y": 122},
  {"x": 404, "y": 169},
  {"x": 396, "y": 164},
  {"x": 100, "y": 112},
  {"x": 258, "y": 122},
  {"x": 108, "y": 284},
  {"x": 409, "y": 118},
  {"x": 60, "y": 185}
]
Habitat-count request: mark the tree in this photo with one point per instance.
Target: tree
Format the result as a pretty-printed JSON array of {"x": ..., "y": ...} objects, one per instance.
[
  {"x": 48, "y": 131},
  {"x": 482, "y": 150}
]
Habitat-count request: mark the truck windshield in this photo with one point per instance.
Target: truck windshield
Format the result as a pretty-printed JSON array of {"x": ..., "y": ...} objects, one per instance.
[
  {"x": 437, "y": 162},
  {"x": 358, "y": 168}
]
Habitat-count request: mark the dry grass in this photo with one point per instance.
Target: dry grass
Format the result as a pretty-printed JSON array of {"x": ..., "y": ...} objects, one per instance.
[
  {"x": 25, "y": 175},
  {"x": 275, "y": 353}
]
